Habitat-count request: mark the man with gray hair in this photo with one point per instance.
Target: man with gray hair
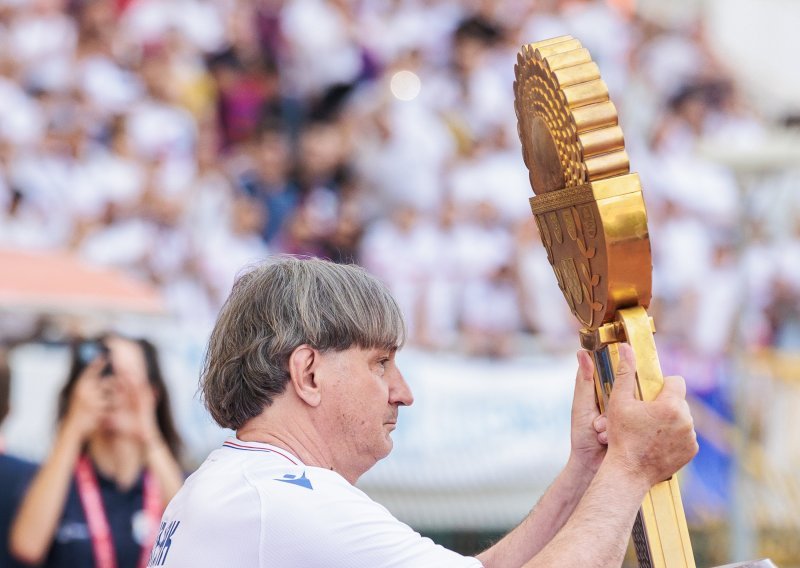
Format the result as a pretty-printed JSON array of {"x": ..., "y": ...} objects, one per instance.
[{"x": 301, "y": 364}]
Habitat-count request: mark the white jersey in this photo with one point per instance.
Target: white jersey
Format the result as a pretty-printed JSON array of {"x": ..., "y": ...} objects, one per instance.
[{"x": 256, "y": 505}]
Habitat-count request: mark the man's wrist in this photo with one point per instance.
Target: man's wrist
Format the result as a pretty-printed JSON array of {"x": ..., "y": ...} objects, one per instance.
[
  {"x": 631, "y": 477},
  {"x": 580, "y": 470}
]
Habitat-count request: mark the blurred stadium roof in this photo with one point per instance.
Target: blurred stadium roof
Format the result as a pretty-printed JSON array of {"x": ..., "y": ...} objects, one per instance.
[{"x": 56, "y": 282}]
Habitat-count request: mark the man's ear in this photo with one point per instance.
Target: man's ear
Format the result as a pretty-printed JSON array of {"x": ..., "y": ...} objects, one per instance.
[{"x": 303, "y": 364}]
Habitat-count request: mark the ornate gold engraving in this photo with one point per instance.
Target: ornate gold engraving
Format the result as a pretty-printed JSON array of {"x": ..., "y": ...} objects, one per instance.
[{"x": 571, "y": 143}]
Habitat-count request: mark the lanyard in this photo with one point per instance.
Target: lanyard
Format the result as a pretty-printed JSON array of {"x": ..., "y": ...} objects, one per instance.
[{"x": 105, "y": 555}]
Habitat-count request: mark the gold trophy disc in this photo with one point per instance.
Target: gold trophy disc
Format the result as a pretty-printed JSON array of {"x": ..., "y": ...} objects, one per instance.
[{"x": 587, "y": 205}]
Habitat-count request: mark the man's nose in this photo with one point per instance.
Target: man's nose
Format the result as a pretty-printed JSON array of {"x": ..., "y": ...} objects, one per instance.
[{"x": 400, "y": 392}]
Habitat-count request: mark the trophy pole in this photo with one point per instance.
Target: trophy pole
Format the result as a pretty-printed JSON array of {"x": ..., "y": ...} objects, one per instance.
[{"x": 660, "y": 533}]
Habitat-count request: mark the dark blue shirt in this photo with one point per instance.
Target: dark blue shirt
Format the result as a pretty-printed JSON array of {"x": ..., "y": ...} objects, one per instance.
[
  {"x": 15, "y": 475},
  {"x": 72, "y": 547}
]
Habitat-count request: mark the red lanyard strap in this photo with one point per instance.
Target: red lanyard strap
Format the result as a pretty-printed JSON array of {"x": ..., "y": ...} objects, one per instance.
[{"x": 105, "y": 555}]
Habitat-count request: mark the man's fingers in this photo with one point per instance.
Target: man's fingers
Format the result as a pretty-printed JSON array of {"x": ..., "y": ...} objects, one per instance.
[
  {"x": 600, "y": 424},
  {"x": 584, "y": 399},
  {"x": 601, "y": 427},
  {"x": 674, "y": 387},
  {"x": 625, "y": 376}
]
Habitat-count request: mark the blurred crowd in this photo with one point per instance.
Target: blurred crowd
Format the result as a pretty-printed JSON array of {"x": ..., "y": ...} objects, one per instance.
[{"x": 180, "y": 140}]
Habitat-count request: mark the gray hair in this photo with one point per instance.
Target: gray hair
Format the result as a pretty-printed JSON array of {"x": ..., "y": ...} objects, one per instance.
[{"x": 274, "y": 308}]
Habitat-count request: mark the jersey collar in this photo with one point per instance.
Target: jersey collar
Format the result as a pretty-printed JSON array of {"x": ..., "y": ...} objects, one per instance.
[{"x": 237, "y": 444}]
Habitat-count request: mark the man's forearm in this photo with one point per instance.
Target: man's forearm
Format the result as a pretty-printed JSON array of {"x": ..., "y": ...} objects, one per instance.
[
  {"x": 543, "y": 522},
  {"x": 647, "y": 441},
  {"x": 597, "y": 533}
]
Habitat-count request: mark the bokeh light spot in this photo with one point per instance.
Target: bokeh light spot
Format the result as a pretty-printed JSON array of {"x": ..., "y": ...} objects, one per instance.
[{"x": 405, "y": 85}]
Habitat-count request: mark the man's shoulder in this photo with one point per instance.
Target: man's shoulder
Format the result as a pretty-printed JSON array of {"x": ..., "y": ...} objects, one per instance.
[
  {"x": 277, "y": 483},
  {"x": 299, "y": 482},
  {"x": 244, "y": 474}
]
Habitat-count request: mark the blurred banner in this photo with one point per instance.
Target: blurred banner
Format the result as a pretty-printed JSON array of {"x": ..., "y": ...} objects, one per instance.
[{"x": 481, "y": 442}]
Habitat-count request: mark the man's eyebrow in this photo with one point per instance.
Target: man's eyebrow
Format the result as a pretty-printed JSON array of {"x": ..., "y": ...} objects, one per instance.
[{"x": 384, "y": 352}]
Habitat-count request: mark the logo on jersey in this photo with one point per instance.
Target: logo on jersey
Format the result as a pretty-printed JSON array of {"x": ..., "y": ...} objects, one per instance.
[
  {"x": 302, "y": 481},
  {"x": 163, "y": 543}
]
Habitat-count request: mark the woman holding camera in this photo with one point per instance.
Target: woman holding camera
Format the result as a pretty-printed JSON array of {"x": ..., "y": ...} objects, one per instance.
[{"x": 97, "y": 499}]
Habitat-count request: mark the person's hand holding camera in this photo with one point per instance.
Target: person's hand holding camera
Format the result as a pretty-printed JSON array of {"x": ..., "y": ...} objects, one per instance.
[
  {"x": 89, "y": 400},
  {"x": 141, "y": 399}
]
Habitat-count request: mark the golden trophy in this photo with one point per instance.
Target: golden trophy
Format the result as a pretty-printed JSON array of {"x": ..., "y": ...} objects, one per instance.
[{"x": 591, "y": 217}]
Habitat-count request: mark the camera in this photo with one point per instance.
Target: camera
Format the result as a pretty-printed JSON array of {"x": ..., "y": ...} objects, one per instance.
[{"x": 91, "y": 349}]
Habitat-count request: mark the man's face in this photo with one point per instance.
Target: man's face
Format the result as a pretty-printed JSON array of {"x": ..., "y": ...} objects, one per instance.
[{"x": 362, "y": 391}]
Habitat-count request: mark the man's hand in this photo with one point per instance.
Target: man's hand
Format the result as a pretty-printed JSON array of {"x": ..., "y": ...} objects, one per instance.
[
  {"x": 650, "y": 439},
  {"x": 588, "y": 426},
  {"x": 596, "y": 497}
]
